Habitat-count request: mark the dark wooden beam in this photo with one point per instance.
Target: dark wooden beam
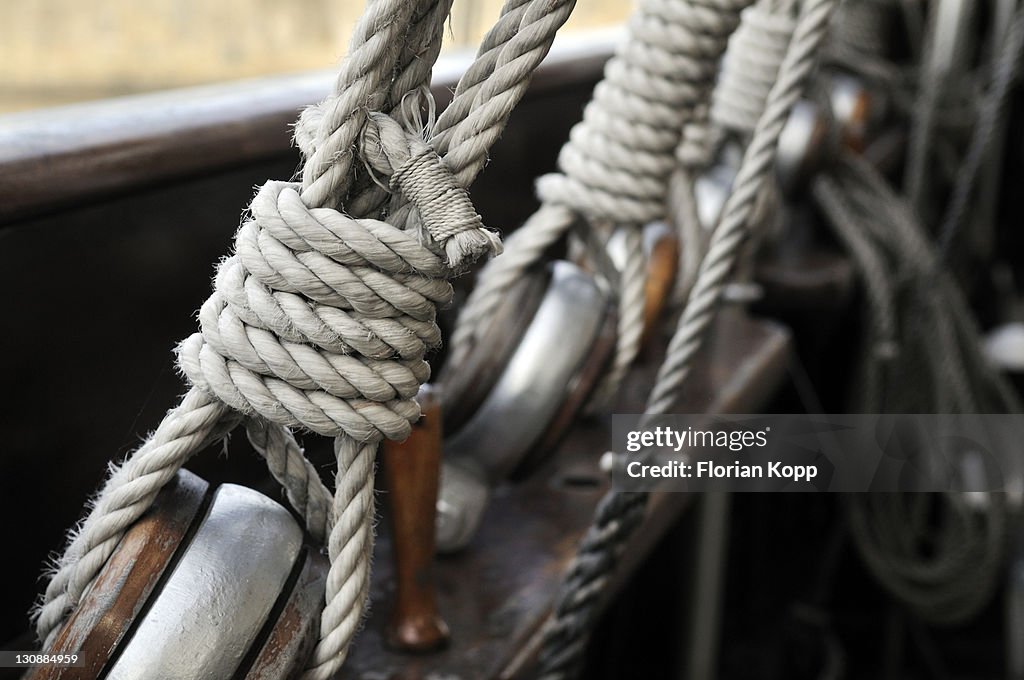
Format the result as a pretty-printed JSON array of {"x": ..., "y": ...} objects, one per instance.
[{"x": 60, "y": 158}]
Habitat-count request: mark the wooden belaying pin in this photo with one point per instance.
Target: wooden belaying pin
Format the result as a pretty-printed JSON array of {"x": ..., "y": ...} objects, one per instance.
[
  {"x": 412, "y": 470},
  {"x": 662, "y": 248}
]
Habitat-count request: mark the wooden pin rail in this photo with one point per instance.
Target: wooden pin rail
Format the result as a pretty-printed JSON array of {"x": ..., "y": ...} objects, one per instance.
[
  {"x": 497, "y": 593},
  {"x": 60, "y": 158}
]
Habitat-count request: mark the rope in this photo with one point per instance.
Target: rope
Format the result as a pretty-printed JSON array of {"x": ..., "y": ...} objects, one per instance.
[
  {"x": 934, "y": 552},
  {"x": 992, "y": 111},
  {"x": 749, "y": 69},
  {"x": 617, "y": 162},
  {"x": 696, "y": 150},
  {"x": 940, "y": 80},
  {"x": 321, "y": 319},
  {"x": 755, "y": 170},
  {"x": 619, "y": 513},
  {"x": 751, "y": 66}
]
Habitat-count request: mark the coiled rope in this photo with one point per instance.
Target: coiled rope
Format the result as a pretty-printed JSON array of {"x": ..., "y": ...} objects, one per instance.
[
  {"x": 751, "y": 65},
  {"x": 617, "y": 162},
  {"x": 937, "y": 553},
  {"x": 322, "y": 315},
  {"x": 619, "y": 513}
]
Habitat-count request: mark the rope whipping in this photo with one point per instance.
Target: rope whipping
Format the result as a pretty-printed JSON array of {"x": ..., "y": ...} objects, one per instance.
[
  {"x": 619, "y": 513},
  {"x": 322, "y": 316},
  {"x": 614, "y": 169}
]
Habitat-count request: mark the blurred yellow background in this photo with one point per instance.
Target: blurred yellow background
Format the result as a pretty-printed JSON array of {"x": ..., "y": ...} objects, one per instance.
[{"x": 60, "y": 51}]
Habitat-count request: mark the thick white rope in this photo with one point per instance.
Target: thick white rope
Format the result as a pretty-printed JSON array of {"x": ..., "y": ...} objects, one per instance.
[
  {"x": 749, "y": 69},
  {"x": 616, "y": 165},
  {"x": 129, "y": 491},
  {"x": 734, "y": 225},
  {"x": 320, "y": 319}
]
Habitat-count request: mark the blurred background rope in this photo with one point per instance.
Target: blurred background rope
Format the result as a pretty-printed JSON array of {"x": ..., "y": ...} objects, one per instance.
[{"x": 619, "y": 513}]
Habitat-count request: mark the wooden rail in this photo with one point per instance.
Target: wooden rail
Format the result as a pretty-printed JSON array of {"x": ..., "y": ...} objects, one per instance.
[{"x": 58, "y": 158}]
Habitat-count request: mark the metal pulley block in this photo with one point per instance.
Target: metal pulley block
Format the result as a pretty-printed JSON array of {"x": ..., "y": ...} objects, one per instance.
[
  {"x": 210, "y": 583},
  {"x": 533, "y": 393},
  {"x": 805, "y": 142},
  {"x": 811, "y": 136},
  {"x": 816, "y": 130}
]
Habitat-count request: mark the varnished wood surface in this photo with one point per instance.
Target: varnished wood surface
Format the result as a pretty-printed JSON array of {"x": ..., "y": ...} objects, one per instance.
[
  {"x": 63, "y": 157},
  {"x": 413, "y": 472}
]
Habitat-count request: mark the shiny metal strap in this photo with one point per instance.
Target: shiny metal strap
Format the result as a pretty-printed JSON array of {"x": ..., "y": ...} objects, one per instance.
[{"x": 220, "y": 593}]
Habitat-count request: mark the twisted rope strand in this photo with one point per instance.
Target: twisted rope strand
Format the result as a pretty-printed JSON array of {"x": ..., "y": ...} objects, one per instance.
[
  {"x": 327, "y": 133},
  {"x": 619, "y": 513},
  {"x": 755, "y": 170},
  {"x": 616, "y": 164},
  {"x": 320, "y": 319},
  {"x": 129, "y": 491}
]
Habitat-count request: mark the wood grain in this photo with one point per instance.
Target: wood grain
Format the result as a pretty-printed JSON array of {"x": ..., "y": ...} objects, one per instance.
[
  {"x": 413, "y": 472},
  {"x": 60, "y": 158},
  {"x": 135, "y": 569}
]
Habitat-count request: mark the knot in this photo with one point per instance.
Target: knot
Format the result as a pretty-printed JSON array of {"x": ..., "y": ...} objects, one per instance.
[
  {"x": 439, "y": 205},
  {"x": 751, "y": 67},
  {"x": 319, "y": 320}
]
